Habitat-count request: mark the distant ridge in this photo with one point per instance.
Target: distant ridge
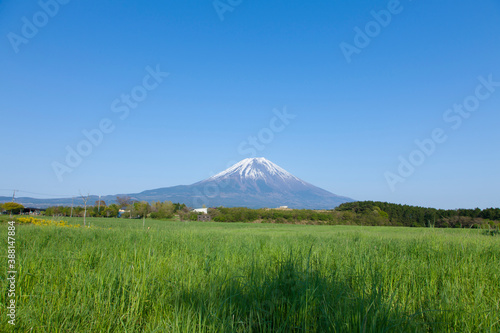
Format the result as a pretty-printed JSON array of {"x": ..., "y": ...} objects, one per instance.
[{"x": 252, "y": 183}]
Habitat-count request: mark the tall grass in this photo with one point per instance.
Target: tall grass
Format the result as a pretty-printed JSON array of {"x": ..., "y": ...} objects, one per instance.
[{"x": 215, "y": 277}]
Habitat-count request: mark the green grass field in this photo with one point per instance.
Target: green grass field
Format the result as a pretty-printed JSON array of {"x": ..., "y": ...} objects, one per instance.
[{"x": 221, "y": 277}]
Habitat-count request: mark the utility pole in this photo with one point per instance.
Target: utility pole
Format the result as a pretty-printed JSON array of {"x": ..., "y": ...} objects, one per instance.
[
  {"x": 72, "y": 202},
  {"x": 99, "y": 208},
  {"x": 14, "y": 195},
  {"x": 85, "y": 199}
]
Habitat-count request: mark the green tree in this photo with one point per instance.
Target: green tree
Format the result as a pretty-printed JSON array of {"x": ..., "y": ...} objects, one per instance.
[
  {"x": 162, "y": 210},
  {"x": 111, "y": 211},
  {"x": 142, "y": 209},
  {"x": 12, "y": 207},
  {"x": 184, "y": 213}
]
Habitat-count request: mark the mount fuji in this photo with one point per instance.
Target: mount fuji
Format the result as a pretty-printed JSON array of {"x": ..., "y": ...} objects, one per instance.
[{"x": 252, "y": 183}]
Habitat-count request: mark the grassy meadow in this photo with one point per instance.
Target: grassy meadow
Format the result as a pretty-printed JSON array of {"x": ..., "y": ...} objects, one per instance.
[{"x": 233, "y": 277}]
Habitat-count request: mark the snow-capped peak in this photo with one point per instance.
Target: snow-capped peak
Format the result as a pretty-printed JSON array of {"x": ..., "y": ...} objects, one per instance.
[{"x": 255, "y": 168}]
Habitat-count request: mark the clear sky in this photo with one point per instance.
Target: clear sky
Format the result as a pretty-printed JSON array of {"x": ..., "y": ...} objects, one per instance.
[{"x": 354, "y": 83}]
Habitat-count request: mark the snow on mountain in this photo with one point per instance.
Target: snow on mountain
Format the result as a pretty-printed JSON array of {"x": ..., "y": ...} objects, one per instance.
[{"x": 255, "y": 168}]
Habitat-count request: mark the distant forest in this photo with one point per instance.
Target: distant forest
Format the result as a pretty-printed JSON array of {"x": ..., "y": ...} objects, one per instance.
[
  {"x": 412, "y": 216},
  {"x": 367, "y": 213},
  {"x": 370, "y": 213}
]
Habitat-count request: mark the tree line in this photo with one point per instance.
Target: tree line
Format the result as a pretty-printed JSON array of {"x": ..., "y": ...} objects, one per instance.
[
  {"x": 370, "y": 213},
  {"x": 414, "y": 216},
  {"x": 124, "y": 207}
]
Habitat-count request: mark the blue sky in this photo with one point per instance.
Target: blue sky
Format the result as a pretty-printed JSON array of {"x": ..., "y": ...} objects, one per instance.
[{"x": 353, "y": 119}]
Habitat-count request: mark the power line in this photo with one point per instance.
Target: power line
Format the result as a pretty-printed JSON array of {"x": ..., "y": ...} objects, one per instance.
[{"x": 43, "y": 194}]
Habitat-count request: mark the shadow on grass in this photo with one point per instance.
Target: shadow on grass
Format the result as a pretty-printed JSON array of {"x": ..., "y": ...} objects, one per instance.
[{"x": 291, "y": 295}]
